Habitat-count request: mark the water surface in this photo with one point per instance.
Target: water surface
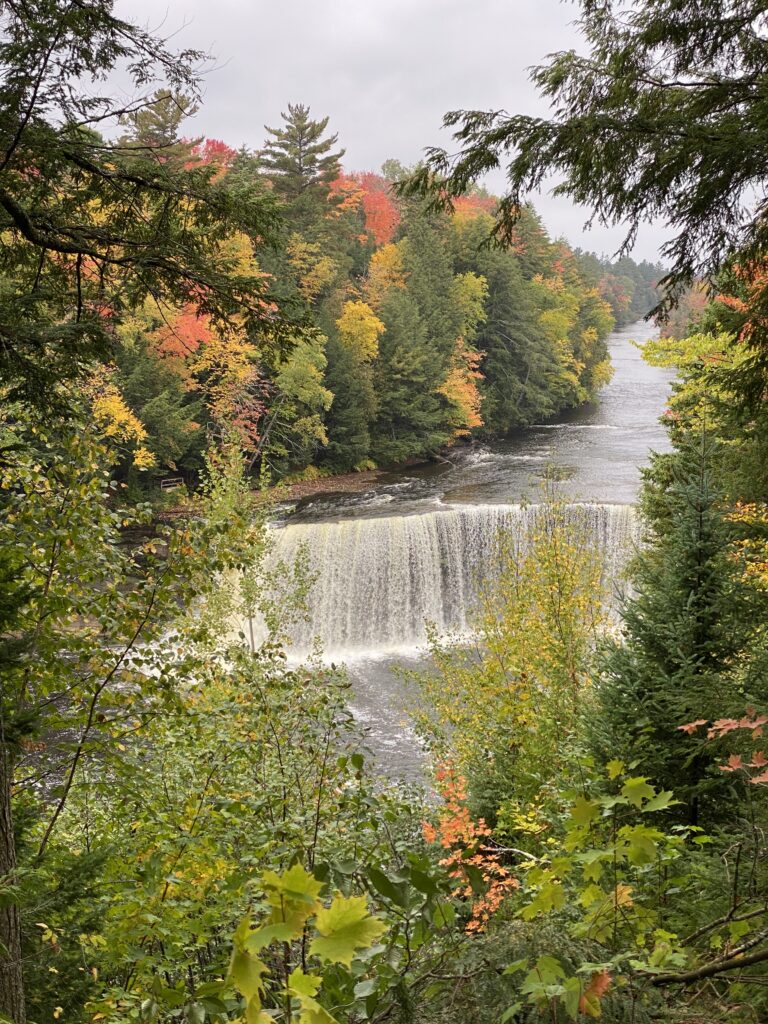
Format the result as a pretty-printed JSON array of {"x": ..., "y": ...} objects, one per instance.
[{"x": 407, "y": 549}]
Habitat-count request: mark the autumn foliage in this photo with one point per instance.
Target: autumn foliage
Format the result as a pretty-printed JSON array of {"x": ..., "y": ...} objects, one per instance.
[
  {"x": 753, "y": 764},
  {"x": 470, "y": 856}
]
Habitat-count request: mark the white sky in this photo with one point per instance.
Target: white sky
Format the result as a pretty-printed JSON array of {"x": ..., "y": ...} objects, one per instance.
[{"x": 385, "y": 71}]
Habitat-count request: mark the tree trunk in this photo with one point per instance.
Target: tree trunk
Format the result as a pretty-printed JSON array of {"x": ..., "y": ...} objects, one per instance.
[{"x": 11, "y": 981}]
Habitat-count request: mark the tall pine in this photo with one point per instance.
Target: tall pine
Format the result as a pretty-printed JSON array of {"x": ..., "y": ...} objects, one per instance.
[
  {"x": 687, "y": 646},
  {"x": 301, "y": 164}
]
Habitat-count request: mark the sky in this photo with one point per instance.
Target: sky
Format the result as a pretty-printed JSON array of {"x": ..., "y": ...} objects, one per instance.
[{"x": 384, "y": 71}]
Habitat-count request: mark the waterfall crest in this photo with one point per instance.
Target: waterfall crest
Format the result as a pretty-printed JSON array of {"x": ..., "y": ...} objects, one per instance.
[{"x": 380, "y": 579}]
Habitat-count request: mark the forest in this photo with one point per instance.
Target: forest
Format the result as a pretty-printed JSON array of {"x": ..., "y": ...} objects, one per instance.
[
  {"x": 408, "y": 335},
  {"x": 192, "y": 828}
]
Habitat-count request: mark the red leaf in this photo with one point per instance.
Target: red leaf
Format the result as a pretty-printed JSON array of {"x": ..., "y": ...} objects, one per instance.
[
  {"x": 734, "y": 763},
  {"x": 691, "y": 727}
]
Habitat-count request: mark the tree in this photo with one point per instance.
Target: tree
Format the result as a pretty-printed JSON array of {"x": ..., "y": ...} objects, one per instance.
[
  {"x": 413, "y": 419},
  {"x": 91, "y": 227},
  {"x": 171, "y": 414},
  {"x": 662, "y": 118},
  {"x": 691, "y": 639},
  {"x": 155, "y": 126},
  {"x": 296, "y": 429},
  {"x": 300, "y": 163},
  {"x": 505, "y": 708}
]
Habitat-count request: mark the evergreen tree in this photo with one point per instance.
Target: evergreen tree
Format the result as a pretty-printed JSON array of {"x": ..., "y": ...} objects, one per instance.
[
  {"x": 413, "y": 420},
  {"x": 155, "y": 125},
  {"x": 301, "y": 164},
  {"x": 520, "y": 365},
  {"x": 687, "y": 629},
  {"x": 429, "y": 271},
  {"x": 353, "y": 409},
  {"x": 169, "y": 412},
  {"x": 661, "y": 118}
]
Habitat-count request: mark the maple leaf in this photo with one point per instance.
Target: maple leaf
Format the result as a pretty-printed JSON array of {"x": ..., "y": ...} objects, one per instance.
[
  {"x": 691, "y": 727},
  {"x": 345, "y": 927},
  {"x": 734, "y": 764},
  {"x": 758, "y": 759},
  {"x": 590, "y": 1001}
]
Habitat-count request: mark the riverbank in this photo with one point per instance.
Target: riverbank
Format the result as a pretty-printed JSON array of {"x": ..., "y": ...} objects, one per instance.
[
  {"x": 282, "y": 493},
  {"x": 338, "y": 483}
]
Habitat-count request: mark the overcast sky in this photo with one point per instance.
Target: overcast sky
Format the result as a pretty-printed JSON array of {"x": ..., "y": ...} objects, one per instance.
[{"x": 385, "y": 71}]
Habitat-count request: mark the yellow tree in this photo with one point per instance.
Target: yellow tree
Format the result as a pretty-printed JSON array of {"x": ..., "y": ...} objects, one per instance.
[
  {"x": 115, "y": 421},
  {"x": 359, "y": 329},
  {"x": 502, "y": 707},
  {"x": 386, "y": 270},
  {"x": 470, "y": 292}
]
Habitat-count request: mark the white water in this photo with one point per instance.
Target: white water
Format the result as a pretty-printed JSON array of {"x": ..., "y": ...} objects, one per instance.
[
  {"x": 412, "y": 548},
  {"x": 380, "y": 580}
]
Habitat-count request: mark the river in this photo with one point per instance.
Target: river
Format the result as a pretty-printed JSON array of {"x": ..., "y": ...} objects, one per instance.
[{"x": 412, "y": 547}]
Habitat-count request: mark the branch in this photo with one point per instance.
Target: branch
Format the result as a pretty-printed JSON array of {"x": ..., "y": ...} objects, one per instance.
[
  {"x": 733, "y": 963},
  {"x": 89, "y": 724}
]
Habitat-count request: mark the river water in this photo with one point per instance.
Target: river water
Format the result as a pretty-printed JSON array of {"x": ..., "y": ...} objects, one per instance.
[{"x": 413, "y": 547}]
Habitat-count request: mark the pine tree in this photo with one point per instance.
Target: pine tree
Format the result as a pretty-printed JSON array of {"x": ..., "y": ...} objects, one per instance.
[
  {"x": 413, "y": 420},
  {"x": 687, "y": 630},
  {"x": 301, "y": 164},
  {"x": 354, "y": 406},
  {"x": 155, "y": 125}
]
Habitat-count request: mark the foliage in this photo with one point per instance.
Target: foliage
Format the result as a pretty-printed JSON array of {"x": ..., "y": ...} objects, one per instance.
[
  {"x": 660, "y": 118},
  {"x": 300, "y": 163},
  {"x": 504, "y": 708},
  {"x": 91, "y": 227},
  {"x": 692, "y": 640},
  {"x": 470, "y": 859}
]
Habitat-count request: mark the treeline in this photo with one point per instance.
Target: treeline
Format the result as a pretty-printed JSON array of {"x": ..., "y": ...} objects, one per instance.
[{"x": 411, "y": 333}]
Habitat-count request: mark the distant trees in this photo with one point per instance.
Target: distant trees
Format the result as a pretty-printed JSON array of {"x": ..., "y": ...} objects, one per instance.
[
  {"x": 660, "y": 118},
  {"x": 407, "y": 334}
]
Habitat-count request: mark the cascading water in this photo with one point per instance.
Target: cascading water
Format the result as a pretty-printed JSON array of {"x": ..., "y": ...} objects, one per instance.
[{"x": 380, "y": 580}]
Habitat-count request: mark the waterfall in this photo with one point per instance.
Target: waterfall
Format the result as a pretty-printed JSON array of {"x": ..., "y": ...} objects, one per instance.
[{"x": 380, "y": 579}]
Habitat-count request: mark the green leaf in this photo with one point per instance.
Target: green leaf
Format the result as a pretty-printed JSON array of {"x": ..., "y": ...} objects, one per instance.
[
  {"x": 572, "y": 997},
  {"x": 255, "y": 1015},
  {"x": 737, "y": 929},
  {"x": 296, "y": 884},
  {"x": 365, "y": 988},
  {"x": 245, "y": 973},
  {"x": 293, "y": 896},
  {"x": 637, "y": 789},
  {"x": 305, "y": 987},
  {"x": 614, "y": 768},
  {"x": 394, "y": 892},
  {"x": 510, "y": 1012},
  {"x": 262, "y": 937},
  {"x": 592, "y": 862},
  {"x": 195, "y": 1013},
  {"x": 549, "y": 969},
  {"x": 642, "y": 843},
  {"x": 584, "y": 811},
  {"x": 444, "y": 914},
  {"x": 345, "y": 927},
  {"x": 423, "y": 882},
  {"x": 302, "y": 984},
  {"x": 660, "y": 802}
]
